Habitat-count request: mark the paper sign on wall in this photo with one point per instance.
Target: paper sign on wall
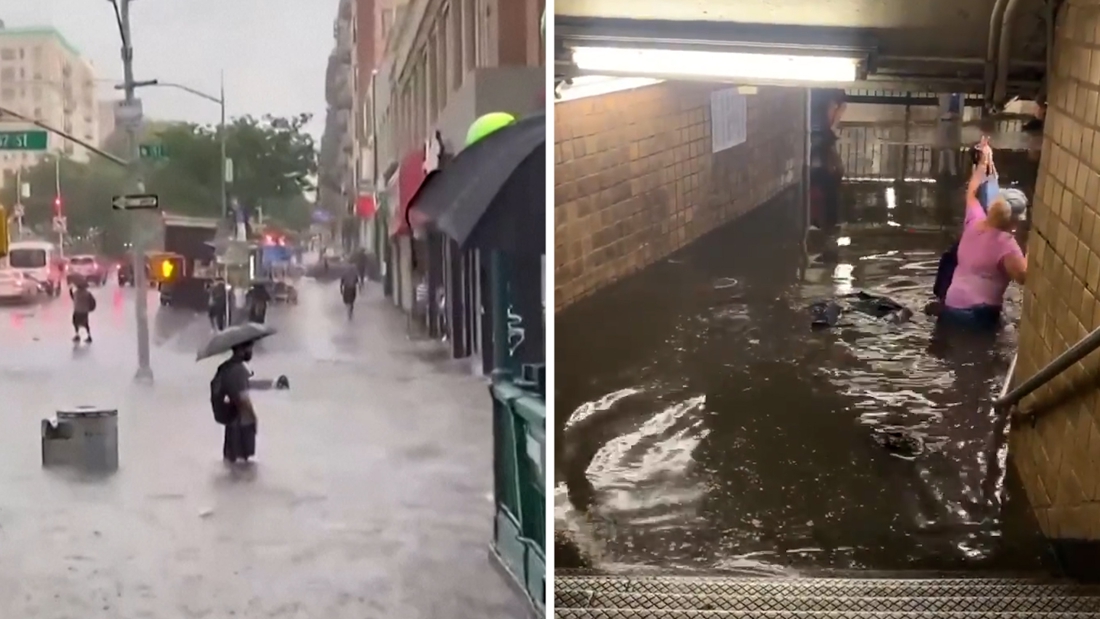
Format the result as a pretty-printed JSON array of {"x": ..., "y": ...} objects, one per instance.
[{"x": 728, "y": 119}]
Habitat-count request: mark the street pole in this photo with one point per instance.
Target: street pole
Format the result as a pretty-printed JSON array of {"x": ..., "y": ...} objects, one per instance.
[
  {"x": 224, "y": 139},
  {"x": 19, "y": 198},
  {"x": 60, "y": 204},
  {"x": 141, "y": 285}
]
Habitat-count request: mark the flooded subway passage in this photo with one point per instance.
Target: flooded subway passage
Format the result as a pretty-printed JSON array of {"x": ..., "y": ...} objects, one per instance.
[{"x": 702, "y": 422}]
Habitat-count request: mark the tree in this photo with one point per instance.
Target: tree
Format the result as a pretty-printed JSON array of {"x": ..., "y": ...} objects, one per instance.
[
  {"x": 273, "y": 159},
  {"x": 86, "y": 192}
]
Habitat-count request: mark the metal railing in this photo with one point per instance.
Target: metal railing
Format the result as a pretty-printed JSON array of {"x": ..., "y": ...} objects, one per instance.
[
  {"x": 519, "y": 438},
  {"x": 1060, "y": 364}
]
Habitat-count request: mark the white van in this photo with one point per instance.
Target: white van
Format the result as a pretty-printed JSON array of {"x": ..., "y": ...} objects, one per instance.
[{"x": 39, "y": 261}]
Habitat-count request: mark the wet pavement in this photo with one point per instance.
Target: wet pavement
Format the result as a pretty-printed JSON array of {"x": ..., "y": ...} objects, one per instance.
[
  {"x": 712, "y": 428},
  {"x": 370, "y": 495}
]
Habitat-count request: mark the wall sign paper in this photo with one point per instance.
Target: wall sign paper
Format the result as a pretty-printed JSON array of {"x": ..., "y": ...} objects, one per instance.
[{"x": 728, "y": 119}]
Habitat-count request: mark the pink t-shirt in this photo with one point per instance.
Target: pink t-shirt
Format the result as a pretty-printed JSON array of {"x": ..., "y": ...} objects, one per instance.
[{"x": 980, "y": 277}]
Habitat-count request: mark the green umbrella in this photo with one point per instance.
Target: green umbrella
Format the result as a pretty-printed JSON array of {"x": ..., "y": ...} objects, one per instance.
[{"x": 487, "y": 124}]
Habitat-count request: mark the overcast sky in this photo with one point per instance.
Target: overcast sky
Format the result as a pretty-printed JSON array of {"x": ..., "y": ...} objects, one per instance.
[{"x": 273, "y": 52}]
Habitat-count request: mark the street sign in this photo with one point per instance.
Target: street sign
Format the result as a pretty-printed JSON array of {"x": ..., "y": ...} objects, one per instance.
[
  {"x": 129, "y": 115},
  {"x": 229, "y": 171},
  {"x": 60, "y": 224},
  {"x": 135, "y": 202},
  {"x": 153, "y": 151},
  {"x": 23, "y": 140},
  {"x": 19, "y": 210}
]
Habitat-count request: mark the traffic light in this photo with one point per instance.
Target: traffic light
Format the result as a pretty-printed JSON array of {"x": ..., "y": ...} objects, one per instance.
[
  {"x": 168, "y": 269},
  {"x": 57, "y": 206},
  {"x": 3, "y": 232}
]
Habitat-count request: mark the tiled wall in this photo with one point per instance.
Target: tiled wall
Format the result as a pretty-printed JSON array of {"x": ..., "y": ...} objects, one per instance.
[
  {"x": 635, "y": 177},
  {"x": 1059, "y": 458}
]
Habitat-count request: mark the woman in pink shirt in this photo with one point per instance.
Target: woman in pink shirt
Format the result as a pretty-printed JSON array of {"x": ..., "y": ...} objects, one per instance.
[{"x": 989, "y": 258}]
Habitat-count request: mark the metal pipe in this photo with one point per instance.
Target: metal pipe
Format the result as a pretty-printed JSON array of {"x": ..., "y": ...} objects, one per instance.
[
  {"x": 1060, "y": 364},
  {"x": 1004, "y": 51},
  {"x": 1034, "y": 64},
  {"x": 996, "y": 18}
]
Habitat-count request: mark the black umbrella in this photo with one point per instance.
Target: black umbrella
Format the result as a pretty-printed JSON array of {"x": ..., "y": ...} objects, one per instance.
[
  {"x": 492, "y": 195},
  {"x": 224, "y": 341}
]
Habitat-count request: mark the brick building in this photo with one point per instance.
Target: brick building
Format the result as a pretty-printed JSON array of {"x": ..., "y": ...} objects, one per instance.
[{"x": 446, "y": 62}]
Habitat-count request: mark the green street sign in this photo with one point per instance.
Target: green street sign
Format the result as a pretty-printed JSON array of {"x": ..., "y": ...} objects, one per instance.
[
  {"x": 23, "y": 140},
  {"x": 153, "y": 151}
]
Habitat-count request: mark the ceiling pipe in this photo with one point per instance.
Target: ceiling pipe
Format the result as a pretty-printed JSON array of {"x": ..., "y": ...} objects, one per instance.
[
  {"x": 1004, "y": 51},
  {"x": 996, "y": 21}
]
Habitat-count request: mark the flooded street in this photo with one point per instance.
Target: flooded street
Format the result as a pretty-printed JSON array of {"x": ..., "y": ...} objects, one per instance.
[{"x": 705, "y": 424}]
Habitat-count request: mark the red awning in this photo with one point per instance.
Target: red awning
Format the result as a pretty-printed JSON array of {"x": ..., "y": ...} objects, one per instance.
[
  {"x": 365, "y": 206},
  {"x": 411, "y": 174}
]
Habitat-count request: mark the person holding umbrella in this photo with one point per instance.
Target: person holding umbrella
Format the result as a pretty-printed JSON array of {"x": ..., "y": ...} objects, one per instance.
[{"x": 230, "y": 396}]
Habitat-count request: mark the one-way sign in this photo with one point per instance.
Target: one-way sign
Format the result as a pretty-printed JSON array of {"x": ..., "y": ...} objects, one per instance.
[{"x": 135, "y": 202}]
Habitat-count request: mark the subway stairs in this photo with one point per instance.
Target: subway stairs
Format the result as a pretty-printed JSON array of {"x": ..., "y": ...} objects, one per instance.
[{"x": 673, "y": 597}]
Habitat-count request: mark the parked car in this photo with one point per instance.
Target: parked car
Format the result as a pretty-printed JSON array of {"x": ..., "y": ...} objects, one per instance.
[
  {"x": 16, "y": 287},
  {"x": 39, "y": 261},
  {"x": 89, "y": 268}
]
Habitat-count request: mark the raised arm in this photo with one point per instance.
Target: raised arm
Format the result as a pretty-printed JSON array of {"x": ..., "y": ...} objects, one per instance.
[{"x": 981, "y": 170}]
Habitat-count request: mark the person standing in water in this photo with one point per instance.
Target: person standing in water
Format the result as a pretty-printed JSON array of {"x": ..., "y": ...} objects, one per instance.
[
  {"x": 232, "y": 403},
  {"x": 349, "y": 289},
  {"x": 989, "y": 257},
  {"x": 217, "y": 304},
  {"x": 83, "y": 305}
]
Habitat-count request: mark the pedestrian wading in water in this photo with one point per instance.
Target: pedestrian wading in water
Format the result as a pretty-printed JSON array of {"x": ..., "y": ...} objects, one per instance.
[
  {"x": 83, "y": 305},
  {"x": 232, "y": 405},
  {"x": 988, "y": 257}
]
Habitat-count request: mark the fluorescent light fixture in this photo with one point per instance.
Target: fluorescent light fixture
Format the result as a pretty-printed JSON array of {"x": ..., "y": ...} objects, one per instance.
[
  {"x": 595, "y": 85},
  {"x": 716, "y": 65}
]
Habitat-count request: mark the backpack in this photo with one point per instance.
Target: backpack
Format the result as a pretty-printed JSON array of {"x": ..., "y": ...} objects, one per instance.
[
  {"x": 945, "y": 272},
  {"x": 91, "y": 302},
  {"x": 224, "y": 411}
]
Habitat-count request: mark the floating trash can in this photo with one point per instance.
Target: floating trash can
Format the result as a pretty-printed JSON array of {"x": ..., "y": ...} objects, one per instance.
[{"x": 82, "y": 437}]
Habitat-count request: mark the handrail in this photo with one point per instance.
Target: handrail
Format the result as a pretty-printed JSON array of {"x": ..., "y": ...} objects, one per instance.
[
  {"x": 1060, "y": 364},
  {"x": 1008, "y": 376}
]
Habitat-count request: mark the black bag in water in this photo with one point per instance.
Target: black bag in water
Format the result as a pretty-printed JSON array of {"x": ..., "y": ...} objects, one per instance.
[{"x": 945, "y": 272}]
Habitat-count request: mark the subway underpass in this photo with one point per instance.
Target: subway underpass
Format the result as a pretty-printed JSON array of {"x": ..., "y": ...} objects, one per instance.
[{"x": 713, "y": 428}]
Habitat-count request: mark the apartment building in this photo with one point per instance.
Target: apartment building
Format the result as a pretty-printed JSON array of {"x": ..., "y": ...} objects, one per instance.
[
  {"x": 446, "y": 62},
  {"x": 105, "y": 111},
  {"x": 43, "y": 76}
]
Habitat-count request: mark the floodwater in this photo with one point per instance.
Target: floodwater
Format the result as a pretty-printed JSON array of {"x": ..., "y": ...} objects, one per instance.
[{"x": 710, "y": 427}]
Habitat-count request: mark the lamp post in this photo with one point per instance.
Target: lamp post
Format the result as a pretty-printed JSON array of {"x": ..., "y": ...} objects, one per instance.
[{"x": 222, "y": 133}]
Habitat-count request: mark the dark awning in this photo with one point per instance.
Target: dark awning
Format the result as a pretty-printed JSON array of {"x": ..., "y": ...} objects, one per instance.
[{"x": 493, "y": 194}]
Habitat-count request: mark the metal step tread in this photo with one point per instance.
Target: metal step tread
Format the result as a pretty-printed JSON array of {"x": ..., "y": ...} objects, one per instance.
[
  {"x": 629, "y": 613},
  {"x": 587, "y": 598},
  {"x": 826, "y": 587}
]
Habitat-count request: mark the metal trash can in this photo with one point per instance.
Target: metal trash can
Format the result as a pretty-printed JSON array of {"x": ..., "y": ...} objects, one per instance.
[{"x": 81, "y": 437}]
